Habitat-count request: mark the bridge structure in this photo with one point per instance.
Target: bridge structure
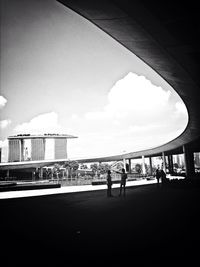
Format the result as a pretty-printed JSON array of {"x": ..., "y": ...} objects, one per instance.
[{"x": 165, "y": 37}]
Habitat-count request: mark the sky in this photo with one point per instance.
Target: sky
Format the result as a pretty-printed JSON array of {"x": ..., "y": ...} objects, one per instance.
[{"x": 61, "y": 74}]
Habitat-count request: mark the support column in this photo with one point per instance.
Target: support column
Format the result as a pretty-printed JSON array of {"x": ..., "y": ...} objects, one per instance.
[
  {"x": 36, "y": 173},
  {"x": 124, "y": 162},
  {"x": 67, "y": 172},
  {"x": 150, "y": 166},
  {"x": 189, "y": 161},
  {"x": 7, "y": 173},
  {"x": 170, "y": 163},
  {"x": 66, "y": 150},
  {"x": 33, "y": 175},
  {"x": 44, "y": 145},
  {"x": 164, "y": 162},
  {"x": 41, "y": 173},
  {"x": 22, "y": 150},
  {"x": 51, "y": 174},
  {"x": 129, "y": 163},
  {"x": 143, "y": 165}
]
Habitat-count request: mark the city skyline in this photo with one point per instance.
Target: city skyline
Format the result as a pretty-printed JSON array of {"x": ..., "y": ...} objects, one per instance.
[{"x": 61, "y": 74}]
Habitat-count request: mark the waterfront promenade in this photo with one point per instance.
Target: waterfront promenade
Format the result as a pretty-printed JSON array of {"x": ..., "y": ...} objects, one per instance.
[{"x": 150, "y": 225}]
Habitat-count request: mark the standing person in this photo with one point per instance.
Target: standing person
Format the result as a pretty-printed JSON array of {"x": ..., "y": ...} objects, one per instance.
[
  {"x": 123, "y": 182},
  {"x": 158, "y": 175},
  {"x": 163, "y": 177},
  {"x": 109, "y": 184}
]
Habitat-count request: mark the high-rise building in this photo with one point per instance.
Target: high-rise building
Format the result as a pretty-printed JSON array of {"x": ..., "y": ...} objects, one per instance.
[
  {"x": 197, "y": 159},
  {"x": 38, "y": 147},
  {"x": 60, "y": 148},
  {"x": 14, "y": 150},
  {"x": 179, "y": 159}
]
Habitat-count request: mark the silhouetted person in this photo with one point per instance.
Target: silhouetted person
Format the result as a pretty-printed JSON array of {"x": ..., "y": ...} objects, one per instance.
[
  {"x": 123, "y": 182},
  {"x": 163, "y": 177},
  {"x": 37, "y": 175},
  {"x": 158, "y": 175},
  {"x": 109, "y": 184}
]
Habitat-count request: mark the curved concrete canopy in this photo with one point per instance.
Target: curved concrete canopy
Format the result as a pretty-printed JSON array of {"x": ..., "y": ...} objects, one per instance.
[{"x": 164, "y": 36}]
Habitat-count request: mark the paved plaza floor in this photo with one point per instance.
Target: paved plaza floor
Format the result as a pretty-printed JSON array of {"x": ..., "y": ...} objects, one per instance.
[
  {"x": 67, "y": 189},
  {"x": 150, "y": 225}
]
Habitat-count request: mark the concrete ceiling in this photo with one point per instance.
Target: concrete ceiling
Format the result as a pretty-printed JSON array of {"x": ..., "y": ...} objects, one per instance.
[{"x": 165, "y": 35}]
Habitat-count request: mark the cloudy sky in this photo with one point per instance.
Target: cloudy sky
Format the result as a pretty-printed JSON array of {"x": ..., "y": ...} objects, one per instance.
[{"x": 61, "y": 74}]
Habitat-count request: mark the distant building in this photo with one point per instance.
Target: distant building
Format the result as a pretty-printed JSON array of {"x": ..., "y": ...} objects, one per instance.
[
  {"x": 179, "y": 159},
  {"x": 197, "y": 159},
  {"x": 38, "y": 146}
]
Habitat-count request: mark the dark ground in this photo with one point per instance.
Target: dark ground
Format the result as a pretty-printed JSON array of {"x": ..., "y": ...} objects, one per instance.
[{"x": 151, "y": 225}]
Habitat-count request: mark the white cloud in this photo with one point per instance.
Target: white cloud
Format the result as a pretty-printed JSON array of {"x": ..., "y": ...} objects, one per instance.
[
  {"x": 4, "y": 123},
  {"x": 74, "y": 116},
  {"x": 132, "y": 94},
  {"x": 138, "y": 115},
  {"x": 181, "y": 108},
  {"x": 142, "y": 128},
  {"x": 44, "y": 123},
  {"x": 3, "y": 101},
  {"x": 4, "y": 143},
  {"x": 4, "y": 150},
  {"x": 135, "y": 92}
]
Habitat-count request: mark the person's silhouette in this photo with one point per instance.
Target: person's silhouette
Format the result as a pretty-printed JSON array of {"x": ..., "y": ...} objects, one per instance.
[
  {"x": 158, "y": 175},
  {"x": 109, "y": 183},
  {"x": 123, "y": 182},
  {"x": 163, "y": 177}
]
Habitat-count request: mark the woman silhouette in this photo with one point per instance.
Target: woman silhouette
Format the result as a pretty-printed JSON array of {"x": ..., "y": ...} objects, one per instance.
[{"x": 109, "y": 184}]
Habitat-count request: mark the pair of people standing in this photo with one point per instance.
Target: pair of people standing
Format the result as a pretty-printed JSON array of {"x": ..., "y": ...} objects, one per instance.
[
  {"x": 160, "y": 175},
  {"x": 122, "y": 183}
]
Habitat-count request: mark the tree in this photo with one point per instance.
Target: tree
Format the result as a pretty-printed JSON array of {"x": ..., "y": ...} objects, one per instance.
[
  {"x": 72, "y": 166},
  {"x": 94, "y": 167},
  {"x": 100, "y": 168},
  {"x": 176, "y": 165},
  {"x": 138, "y": 168},
  {"x": 56, "y": 169},
  {"x": 83, "y": 166},
  {"x": 103, "y": 167}
]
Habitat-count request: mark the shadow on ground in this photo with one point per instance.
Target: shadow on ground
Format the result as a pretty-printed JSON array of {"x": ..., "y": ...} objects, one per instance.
[{"x": 149, "y": 225}]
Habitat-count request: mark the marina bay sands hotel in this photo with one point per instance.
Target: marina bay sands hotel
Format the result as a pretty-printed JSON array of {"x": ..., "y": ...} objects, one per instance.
[{"x": 24, "y": 147}]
